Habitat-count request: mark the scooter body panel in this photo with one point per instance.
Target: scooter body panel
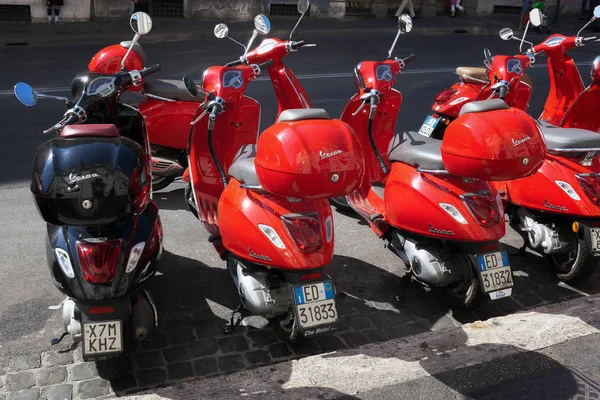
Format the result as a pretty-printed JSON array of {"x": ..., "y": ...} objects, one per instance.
[
  {"x": 585, "y": 112},
  {"x": 406, "y": 187},
  {"x": 168, "y": 123},
  {"x": 565, "y": 87},
  {"x": 240, "y": 213}
]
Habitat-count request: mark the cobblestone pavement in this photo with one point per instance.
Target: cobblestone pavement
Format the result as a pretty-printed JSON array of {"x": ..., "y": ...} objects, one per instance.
[{"x": 190, "y": 342}]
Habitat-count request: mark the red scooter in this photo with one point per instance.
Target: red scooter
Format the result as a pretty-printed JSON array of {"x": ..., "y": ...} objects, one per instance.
[
  {"x": 265, "y": 204},
  {"x": 168, "y": 108},
  {"x": 430, "y": 200},
  {"x": 566, "y": 95},
  {"x": 556, "y": 210}
]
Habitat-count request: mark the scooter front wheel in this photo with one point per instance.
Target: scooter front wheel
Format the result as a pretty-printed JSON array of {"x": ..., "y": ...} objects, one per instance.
[{"x": 575, "y": 265}]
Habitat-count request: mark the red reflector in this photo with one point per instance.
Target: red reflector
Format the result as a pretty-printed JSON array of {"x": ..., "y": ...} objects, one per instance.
[
  {"x": 101, "y": 310},
  {"x": 591, "y": 186},
  {"x": 311, "y": 277},
  {"x": 484, "y": 207},
  {"x": 155, "y": 239},
  {"x": 445, "y": 95},
  {"x": 488, "y": 247},
  {"x": 305, "y": 230},
  {"x": 99, "y": 260},
  {"x": 595, "y": 223}
]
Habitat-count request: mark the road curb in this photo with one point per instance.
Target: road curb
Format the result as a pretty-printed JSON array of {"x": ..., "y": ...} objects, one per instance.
[{"x": 398, "y": 361}]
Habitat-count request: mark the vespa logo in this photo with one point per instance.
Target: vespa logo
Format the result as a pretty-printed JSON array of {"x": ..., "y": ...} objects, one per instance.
[
  {"x": 439, "y": 231},
  {"x": 552, "y": 206},
  {"x": 331, "y": 154},
  {"x": 76, "y": 178},
  {"x": 258, "y": 256},
  {"x": 520, "y": 141}
]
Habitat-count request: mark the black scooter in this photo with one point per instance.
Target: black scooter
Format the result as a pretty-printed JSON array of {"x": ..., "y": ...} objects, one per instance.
[{"x": 92, "y": 185}]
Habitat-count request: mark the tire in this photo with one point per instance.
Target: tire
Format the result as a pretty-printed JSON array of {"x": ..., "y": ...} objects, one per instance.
[
  {"x": 463, "y": 294},
  {"x": 576, "y": 265},
  {"x": 340, "y": 203},
  {"x": 187, "y": 193},
  {"x": 161, "y": 182}
]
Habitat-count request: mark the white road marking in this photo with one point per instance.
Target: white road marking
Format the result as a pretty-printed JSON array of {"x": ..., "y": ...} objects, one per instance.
[{"x": 9, "y": 92}]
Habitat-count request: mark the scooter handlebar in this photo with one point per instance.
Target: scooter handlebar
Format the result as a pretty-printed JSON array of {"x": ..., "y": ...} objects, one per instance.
[
  {"x": 150, "y": 70},
  {"x": 409, "y": 59},
  {"x": 265, "y": 65},
  {"x": 502, "y": 90}
]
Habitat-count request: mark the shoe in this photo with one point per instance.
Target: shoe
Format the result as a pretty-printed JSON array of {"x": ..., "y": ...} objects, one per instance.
[
  {"x": 49, "y": 20},
  {"x": 57, "y": 21}
]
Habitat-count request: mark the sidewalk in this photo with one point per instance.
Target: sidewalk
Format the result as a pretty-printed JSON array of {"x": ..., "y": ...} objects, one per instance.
[{"x": 166, "y": 30}]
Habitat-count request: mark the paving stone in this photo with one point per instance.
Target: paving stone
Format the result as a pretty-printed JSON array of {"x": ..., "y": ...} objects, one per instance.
[
  {"x": 157, "y": 340},
  {"x": 234, "y": 362},
  {"x": 20, "y": 380},
  {"x": 57, "y": 392},
  {"x": 181, "y": 336},
  {"x": 279, "y": 350},
  {"x": 180, "y": 370},
  {"x": 177, "y": 354},
  {"x": 400, "y": 331},
  {"x": 29, "y": 394},
  {"x": 78, "y": 354},
  {"x": 359, "y": 323},
  {"x": 381, "y": 319},
  {"x": 375, "y": 335},
  {"x": 257, "y": 357},
  {"x": 54, "y": 358},
  {"x": 83, "y": 371},
  {"x": 261, "y": 338},
  {"x": 21, "y": 363},
  {"x": 3, "y": 365},
  {"x": 465, "y": 316},
  {"x": 354, "y": 338},
  {"x": 330, "y": 343},
  {"x": 440, "y": 323},
  {"x": 524, "y": 285},
  {"x": 204, "y": 347},
  {"x": 233, "y": 344},
  {"x": 91, "y": 388},
  {"x": 208, "y": 331},
  {"x": 2, "y": 396},
  {"x": 304, "y": 347},
  {"x": 149, "y": 360},
  {"x": 205, "y": 366},
  {"x": 401, "y": 317},
  {"x": 508, "y": 305},
  {"x": 544, "y": 279},
  {"x": 527, "y": 299},
  {"x": 549, "y": 293},
  {"x": 51, "y": 376},
  {"x": 151, "y": 377}
]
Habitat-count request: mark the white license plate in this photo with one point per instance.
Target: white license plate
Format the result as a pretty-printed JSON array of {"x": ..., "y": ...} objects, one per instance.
[
  {"x": 428, "y": 126},
  {"x": 315, "y": 304},
  {"x": 102, "y": 338},
  {"x": 495, "y": 271},
  {"x": 595, "y": 234}
]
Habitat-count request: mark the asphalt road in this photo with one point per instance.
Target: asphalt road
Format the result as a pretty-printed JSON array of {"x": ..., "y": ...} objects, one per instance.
[{"x": 26, "y": 291}]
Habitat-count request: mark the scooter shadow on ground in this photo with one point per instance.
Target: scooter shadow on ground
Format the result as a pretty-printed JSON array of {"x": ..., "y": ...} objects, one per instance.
[{"x": 170, "y": 198}]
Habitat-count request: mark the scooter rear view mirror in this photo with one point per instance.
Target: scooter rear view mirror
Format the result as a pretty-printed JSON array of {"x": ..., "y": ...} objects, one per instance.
[
  {"x": 535, "y": 16},
  {"x": 262, "y": 25},
  {"x": 141, "y": 23},
  {"x": 221, "y": 31},
  {"x": 25, "y": 94},
  {"x": 404, "y": 26},
  {"x": 190, "y": 86},
  {"x": 303, "y": 7},
  {"x": 487, "y": 56},
  {"x": 506, "y": 34},
  {"x": 597, "y": 12}
]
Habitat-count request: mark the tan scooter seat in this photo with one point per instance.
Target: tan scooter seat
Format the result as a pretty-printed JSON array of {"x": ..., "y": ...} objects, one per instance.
[{"x": 479, "y": 75}]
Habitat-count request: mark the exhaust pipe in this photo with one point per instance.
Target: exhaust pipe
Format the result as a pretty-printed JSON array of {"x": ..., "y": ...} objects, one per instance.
[{"x": 145, "y": 317}]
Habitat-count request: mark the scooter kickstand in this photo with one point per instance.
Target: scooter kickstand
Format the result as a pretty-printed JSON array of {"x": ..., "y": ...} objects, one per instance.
[
  {"x": 233, "y": 323},
  {"x": 58, "y": 340}
]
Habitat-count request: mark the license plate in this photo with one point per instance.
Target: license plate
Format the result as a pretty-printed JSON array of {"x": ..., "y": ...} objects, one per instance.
[
  {"x": 102, "y": 338},
  {"x": 315, "y": 305},
  {"x": 495, "y": 272},
  {"x": 428, "y": 126},
  {"x": 595, "y": 236}
]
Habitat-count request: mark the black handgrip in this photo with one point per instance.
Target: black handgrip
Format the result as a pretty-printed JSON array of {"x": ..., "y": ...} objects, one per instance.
[
  {"x": 148, "y": 71},
  {"x": 297, "y": 45},
  {"x": 265, "y": 65},
  {"x": 71, "y": 120},
  {"x": 409, "y": 59},
  {"x": 502, "y": 91},
  {"x": 234, "y": 63},
  {"x": 589, "y": 39}
]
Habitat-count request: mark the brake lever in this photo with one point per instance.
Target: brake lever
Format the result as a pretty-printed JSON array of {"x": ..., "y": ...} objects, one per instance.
[
  {"x": 359, "y": 109},
  {"x": 59, "y": 125},
  {"x": 310, "y": 45},
  {"x": 194, "y": 122}
]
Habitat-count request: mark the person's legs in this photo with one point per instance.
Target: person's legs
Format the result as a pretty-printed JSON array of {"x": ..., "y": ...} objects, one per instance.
[
  {"x": 49, "y": 4},
  {"x": 57, "y": 14},
  {"x": 459, "y": 7}
]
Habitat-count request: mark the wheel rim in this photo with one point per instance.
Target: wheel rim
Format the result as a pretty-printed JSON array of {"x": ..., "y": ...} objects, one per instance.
[{"x": 565, "y": 262}]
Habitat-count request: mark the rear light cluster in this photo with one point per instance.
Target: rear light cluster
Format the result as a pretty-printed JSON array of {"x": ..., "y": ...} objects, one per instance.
[
  {"x": 486, "y": 208},
  {"x": 445, "y": 95},
  {"x": 591, "y": 186},
  {"x": 305, "y": 230},
  {"x": 99, "y": 259}
]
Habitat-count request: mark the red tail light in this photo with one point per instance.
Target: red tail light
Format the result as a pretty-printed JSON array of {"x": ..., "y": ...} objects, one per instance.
[
  {"x": 445, "y": 95},
  {"x": 591, "y": 186},
  {"x": 99, "y": 260},
  {"x": 155, "y": 239},
  {"x": 311, "y": 277},
  {"x": 484, "y": 207},
  {"x": 101, "y": 310},
  {"x": 305, "y": 229}
]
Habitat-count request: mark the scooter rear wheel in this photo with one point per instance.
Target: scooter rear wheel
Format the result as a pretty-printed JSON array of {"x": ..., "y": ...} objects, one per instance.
[
  {"x": 576, "y": 265},
  {"x": 161, "y": 182}
]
